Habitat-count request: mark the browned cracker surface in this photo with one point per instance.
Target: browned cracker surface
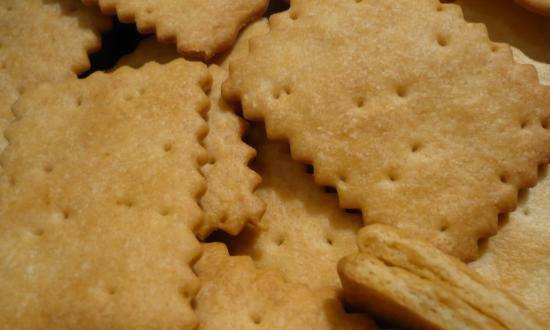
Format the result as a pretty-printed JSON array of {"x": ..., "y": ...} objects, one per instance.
[
  {"x": 303, "y": 232},
  {"x": 508, "y": 22},
  {"x": 229, "y": 202},
  {"x": 237, "y": 296},
  {"x": 98, "y": 200},
  {"x": 417, "y": 285},
  {"x": 427, "y": 126},
  {"x": 200, "y": 28},
  {"x": 43, "y": 41}
]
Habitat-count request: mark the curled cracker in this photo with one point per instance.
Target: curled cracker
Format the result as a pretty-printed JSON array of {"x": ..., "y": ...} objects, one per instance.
[
  {"x": 199, "y": 28},
  {"x": 31, "y": 54},
  {"x": 406, "y": 123},
  {"x": 538, "y": 6},
  {"x": 98, "y": 200},
  {"x": 414, "y": 283},
  {"x": 236, "y": 295}
]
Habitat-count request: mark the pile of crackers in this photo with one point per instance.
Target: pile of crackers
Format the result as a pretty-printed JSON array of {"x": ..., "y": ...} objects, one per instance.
[{"x": 333, "y": 164}]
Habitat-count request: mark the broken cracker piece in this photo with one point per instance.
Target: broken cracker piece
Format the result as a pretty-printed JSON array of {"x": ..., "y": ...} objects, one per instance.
[
  {"x": 427, "y": 126},
  {"x": 415, "y": 284},
  {"x": 229, "y": 202},
  {"x": 43, "y": 41},
  {"x": 303, "y": 232},
  {"x": 98, "y": 200},
  {"x": 237, "y": 296},
  {"x": 199, "y": 28}
]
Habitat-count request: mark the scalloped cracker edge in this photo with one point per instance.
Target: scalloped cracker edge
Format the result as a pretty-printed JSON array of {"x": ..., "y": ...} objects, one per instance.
[
  {"x": 199, "y": 28},
  {"x": 99, "y": 199}
]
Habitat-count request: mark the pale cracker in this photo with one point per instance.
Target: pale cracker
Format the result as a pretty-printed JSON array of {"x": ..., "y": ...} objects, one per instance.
[
  {"x": 229, "y": 202},
  {"x": 508, "y": 22},
  {"x": 407, "y": 123},
  {"x": 237, "y": 296},
  {"x": 43, "y": 41},
  {"x": 414, "y": 283},
  {"x": 98, "y": 200},
  {"x": 537, "y": 6},
  {"x": 543, "y": 69},
  {"x": 198, "y": 27},
  {"x": 517, "y": 258},
  {"x": 303, "y": 232}
]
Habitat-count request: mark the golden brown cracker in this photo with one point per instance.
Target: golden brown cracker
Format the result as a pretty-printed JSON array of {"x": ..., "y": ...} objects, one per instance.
[
  {"x": 406, "y": 279},
  {"x": 98, "y": 200},
  {"x": 517, "y": 257},
  {"x": 43, "y": 41},
  {"x": 229, "y": 202},
  {"x": 237, "y": 296},
  {"x": 303, "y": 232},
  {"x": 199, "y": 28},
  {"x": 407, "y": 123},
  {"x": 510, "y": 23},
  {"x": 537, "y": 6}
]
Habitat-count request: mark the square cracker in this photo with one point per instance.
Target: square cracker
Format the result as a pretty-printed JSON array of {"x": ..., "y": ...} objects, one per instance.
[
  {"x": 200, "y": 28},
  {"x": 411, "y": 282},
  {"x": 427, "y": 126},
  {"x": 237, "y": 296},
  {"x": 229, "y": 202},
  {"x": 98, "y": 200},
  {"x": 303, "y": 233},
  {"x": 43, "y": 41}
]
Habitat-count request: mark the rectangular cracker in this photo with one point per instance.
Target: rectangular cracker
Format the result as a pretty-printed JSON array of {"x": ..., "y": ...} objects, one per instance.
[
  {"x": 199, "y": 28},
  {"x": 407, "y": 123},
  {"x": 31, "y": 54},
  {"x": 413, "y": 283},
  {"x": 237, "y": 296},
  {"x": 229, "y": 202},
  {"x": 99, "y": 198}
]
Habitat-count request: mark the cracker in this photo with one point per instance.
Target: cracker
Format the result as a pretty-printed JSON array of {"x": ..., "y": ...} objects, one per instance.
[
  {"x": 517, "y": 258},
  {"x": 43, "y": 41},
  {"x": 199, "y": 28},
  {"x": 99, "y": 198},
  {"x": 407, "y": 123},
  {"x": 537, "y": 6},
  {"x": 236, "y": 295},
  {"x": 303, "y": 232},
  {"x": 543, "y": 69},
  {"x": 229, "y": 202},
  {"x": 510, "y": 23},
  {"x": 416, "y": 284}
]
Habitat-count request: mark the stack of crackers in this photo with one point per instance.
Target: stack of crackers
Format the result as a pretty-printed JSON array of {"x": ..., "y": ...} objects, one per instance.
[{"x": 332, "y": 164}]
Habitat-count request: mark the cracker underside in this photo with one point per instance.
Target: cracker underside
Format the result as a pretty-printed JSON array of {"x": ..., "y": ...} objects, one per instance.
[
  {"x": 427, "y": 126},
  {"x": 303, "y": 232},
  {"x": 237, "y": 296},
  {"x": 229, "y": 202},
  {"x": 422, "y": 285},
  {"x": 199, "y": 28},
  {"x": 43, "y": 42},
  {"x": 98, "y": 200}
]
